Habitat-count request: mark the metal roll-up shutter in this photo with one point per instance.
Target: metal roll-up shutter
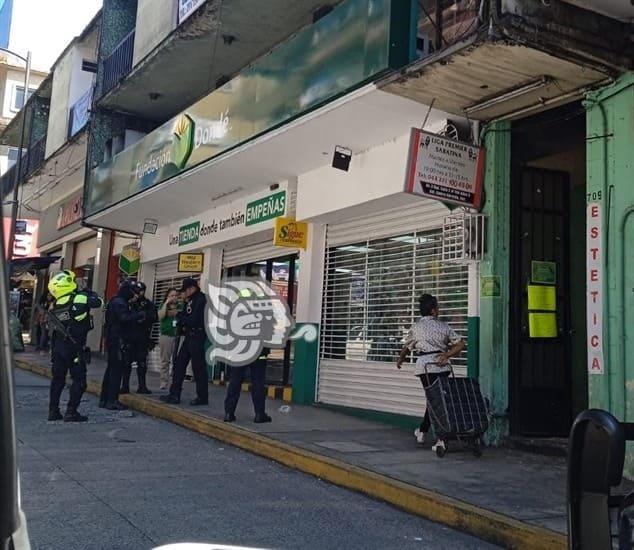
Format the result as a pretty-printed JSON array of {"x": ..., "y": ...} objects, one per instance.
[
  {"x": 370, "y": 299},
  {"x": 166, "y": 275},
  {"x": 254, "y": 253}
]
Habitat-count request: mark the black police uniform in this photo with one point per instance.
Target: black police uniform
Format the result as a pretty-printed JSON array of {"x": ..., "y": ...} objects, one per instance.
[
  {"x": 119, "y": 320},
  {"x": 67, "y": 350},
  {"x": 258, "y": 393},
  {"x": 191, "y": 323},
  {"x": 140, "y": 344}
]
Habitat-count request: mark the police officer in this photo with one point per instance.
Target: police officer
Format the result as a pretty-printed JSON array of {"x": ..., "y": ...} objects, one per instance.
[
  {"x": 119, "y": 321},
  {"x": 71, "y": 325},
  {"x": 191, "y": 323},
  {"x": 140, "y": 341},
  {"x": 257, "y": 370}
]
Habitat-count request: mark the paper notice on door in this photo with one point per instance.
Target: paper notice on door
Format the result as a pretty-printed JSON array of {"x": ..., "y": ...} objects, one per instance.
[
  {"x": 542, "y": 298},
  {"x": 542, "y": 325}
]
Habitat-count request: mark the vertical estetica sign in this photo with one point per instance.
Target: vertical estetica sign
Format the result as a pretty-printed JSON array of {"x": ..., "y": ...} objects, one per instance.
[{"x": 594, "y": 278}]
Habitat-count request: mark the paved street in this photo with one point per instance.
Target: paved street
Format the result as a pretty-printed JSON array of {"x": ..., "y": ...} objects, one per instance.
[{"x": 127, "y": 481}]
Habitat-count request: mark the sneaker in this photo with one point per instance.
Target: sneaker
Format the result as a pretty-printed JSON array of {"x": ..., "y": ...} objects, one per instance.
[
  {"x": 420, "y": 436},
  {"x": 163, "y": 387},
  {"x": 440, "y": 444}
]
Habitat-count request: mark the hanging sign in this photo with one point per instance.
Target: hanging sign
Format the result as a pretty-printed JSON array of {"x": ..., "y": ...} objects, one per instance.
[
  {"x": 130, "y": 259},
  {"x": 594, "y": 280},
  {"x": 445, "y": 169},
  {"x": 290, "y": 233},
  {"x": 191, "y": 262}
]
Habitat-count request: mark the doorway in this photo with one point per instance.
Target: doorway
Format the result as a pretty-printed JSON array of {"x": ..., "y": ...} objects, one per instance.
[
  {"x": 547, "y": 368},
  {"x": 282, "y": 275}
]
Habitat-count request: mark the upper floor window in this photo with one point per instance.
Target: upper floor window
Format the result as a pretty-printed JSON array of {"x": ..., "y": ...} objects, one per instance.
[{"x": 18, "y": 97}]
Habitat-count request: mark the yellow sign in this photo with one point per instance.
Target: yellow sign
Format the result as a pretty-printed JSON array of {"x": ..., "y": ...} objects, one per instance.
[
  {"x": 542, "y": 325},
  {"x": 290, "y": 233},
  {"x": 191, "y": 263},
  {"x": 542, "y": 298}
]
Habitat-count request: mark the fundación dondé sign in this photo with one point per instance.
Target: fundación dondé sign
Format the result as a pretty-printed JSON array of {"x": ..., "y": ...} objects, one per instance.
[{"x": 345, "y": 49}]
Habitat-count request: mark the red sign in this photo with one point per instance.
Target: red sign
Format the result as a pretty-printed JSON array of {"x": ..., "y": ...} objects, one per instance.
[
  {"x": 445, "y": 169},
  {"x": 71, "y": 211}
]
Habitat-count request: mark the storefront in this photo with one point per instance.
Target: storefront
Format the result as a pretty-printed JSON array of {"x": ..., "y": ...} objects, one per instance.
[{"x": 227, "y": 240}]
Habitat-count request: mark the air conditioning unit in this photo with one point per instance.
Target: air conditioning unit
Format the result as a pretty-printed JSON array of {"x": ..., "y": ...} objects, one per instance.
[{"x": 463, "y": 237}]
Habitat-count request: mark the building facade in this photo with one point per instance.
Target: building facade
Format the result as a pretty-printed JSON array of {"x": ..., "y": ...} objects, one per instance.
[{"x": 205, "y": 129}]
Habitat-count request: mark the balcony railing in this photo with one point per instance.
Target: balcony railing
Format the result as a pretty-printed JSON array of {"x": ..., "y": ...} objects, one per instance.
[
  {"x": 442, "y": 23},
  {"x": 118, "y": 64},
  {"x": 79, "y": 114},
  {"x": 33, "y": 158}
]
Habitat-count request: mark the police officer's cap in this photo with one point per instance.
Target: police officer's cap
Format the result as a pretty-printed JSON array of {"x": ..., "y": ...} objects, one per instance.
[{"x": 188, "y": 283}]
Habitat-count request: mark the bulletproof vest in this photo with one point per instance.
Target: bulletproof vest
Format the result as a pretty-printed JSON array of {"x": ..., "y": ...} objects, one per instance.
[{"x": 72, "y": 311}]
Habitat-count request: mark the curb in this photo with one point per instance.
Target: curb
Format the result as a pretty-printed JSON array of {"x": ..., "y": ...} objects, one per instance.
[{"x": 479, "y": 522}]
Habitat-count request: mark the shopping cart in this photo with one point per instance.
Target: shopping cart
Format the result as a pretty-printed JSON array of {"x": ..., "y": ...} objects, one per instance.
[{"x": 458, "y": 412}]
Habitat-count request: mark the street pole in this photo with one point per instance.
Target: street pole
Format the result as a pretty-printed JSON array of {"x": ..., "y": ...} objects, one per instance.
[{"x": 16, "y": 185}]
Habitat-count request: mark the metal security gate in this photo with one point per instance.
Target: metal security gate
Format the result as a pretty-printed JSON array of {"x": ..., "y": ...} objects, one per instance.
[
  {"x": 540, "y": 368},
  {"x": 370, "y": 299},
  {"x": 166, "y": 276},
  {"x": 233, "y": 257}
]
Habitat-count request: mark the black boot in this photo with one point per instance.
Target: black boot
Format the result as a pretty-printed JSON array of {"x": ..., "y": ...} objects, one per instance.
[
  {"x": 54, "y": 415},
  {"x": 262, "y": 418},
  {"x": 141, "y": 373},
  {"x": 125, "y": 380},
  {"x": 116, "y": 406},
  {"x": 72, "y": 415}
]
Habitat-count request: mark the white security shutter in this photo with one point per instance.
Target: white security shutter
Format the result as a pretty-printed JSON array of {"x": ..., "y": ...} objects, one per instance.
[
  {"x": 166, "y": 275},
  {"x": 254, "y": 253},
  {"x": 370, "y": 299}
]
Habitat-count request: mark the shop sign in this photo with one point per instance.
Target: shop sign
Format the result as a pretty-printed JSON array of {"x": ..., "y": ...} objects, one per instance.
[
  {"x": 191, "y": 262},
  {"x": 25, "y": 237},
  {"x": 231, "y": 216},
  {"x": 70, "y": 212},
  {"x": 594, "y": 281},
  {"x": 267, "y": 208},
  {"x": 290, "y": 233},
  {"x": 355, "y": 45},
  {"x": 445, "y": 169},
  {"x": 130, "y": 259},
  {"x": 187, "y": 7}
]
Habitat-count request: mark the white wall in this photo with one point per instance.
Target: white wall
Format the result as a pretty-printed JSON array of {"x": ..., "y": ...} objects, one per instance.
[
  {"x": 16, "y": 78},
  {"x": 155, "y": 19},
  {"x": 69, "y": 84},
  {"x": 378, "y": 173}
]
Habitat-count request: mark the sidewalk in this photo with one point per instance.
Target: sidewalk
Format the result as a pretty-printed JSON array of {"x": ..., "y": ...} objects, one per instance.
[{"x": 506, "y": 496}]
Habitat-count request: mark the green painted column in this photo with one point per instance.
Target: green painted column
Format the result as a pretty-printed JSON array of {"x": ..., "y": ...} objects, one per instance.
[
  {"x": 494, "y": 278},
  {"x": 610, "y": 173},
  {"x": 305, "y": 363}
]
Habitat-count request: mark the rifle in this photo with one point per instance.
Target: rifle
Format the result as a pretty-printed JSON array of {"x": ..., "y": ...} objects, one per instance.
[{"x": 58, "y": 326}]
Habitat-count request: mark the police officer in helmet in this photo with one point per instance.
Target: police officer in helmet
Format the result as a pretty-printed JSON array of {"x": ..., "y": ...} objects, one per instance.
[
  {"x": 119, "y": 320},
  {"x": 72, "y": 322},
  {"x": 140, "y": 340}
]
